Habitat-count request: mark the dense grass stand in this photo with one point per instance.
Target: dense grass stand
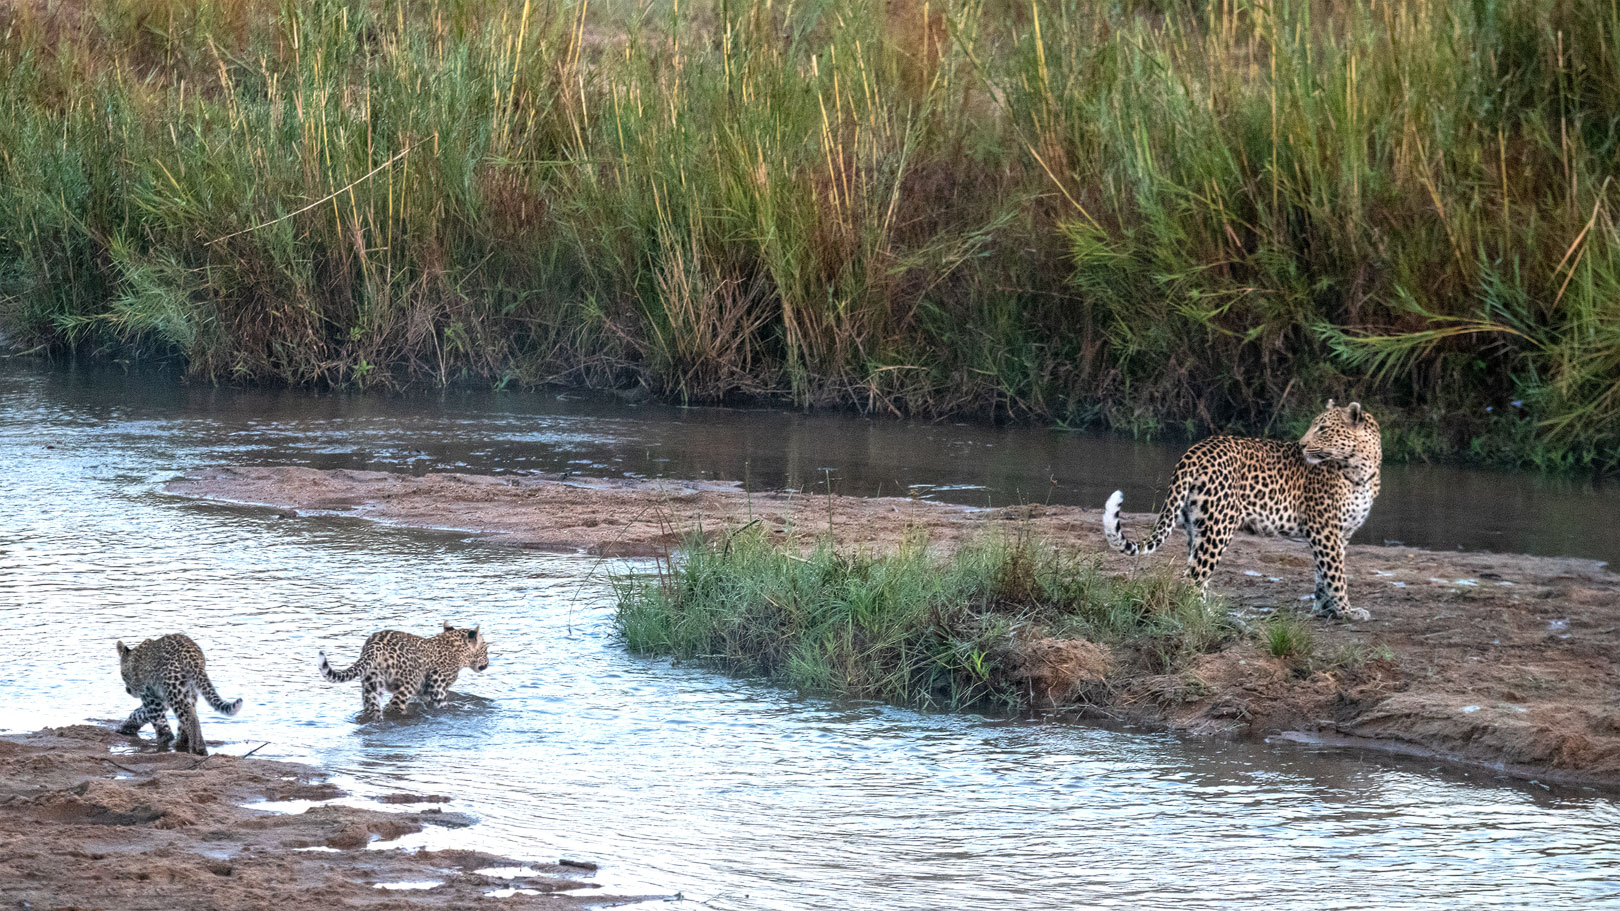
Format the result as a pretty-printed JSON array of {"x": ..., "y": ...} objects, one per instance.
[{"x": 1147, "y": 216}]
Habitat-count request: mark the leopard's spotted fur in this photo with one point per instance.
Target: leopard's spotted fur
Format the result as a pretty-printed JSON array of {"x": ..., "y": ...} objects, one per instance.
[
  {"x": 1320, "y": 487},
  {"x": 166, "y": 674},
  {"x": 413, "y": 668}
]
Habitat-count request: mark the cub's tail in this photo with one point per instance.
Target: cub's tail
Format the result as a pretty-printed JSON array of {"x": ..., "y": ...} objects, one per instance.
[
  {"x": 206, "y": 688},
  {"x": 355, "y": 669},
  {"x": 1161, "y": 528}
]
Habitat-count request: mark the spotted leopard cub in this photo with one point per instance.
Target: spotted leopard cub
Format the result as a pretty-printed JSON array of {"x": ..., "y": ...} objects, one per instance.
[
  {"x": 166, "y": 674},
  {"x": 414, "y": 669},
  {"x": 1320, "y": 487}
]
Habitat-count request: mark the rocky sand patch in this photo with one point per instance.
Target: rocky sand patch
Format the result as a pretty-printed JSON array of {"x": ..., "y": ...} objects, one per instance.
[{"x": 92, "y": 819}]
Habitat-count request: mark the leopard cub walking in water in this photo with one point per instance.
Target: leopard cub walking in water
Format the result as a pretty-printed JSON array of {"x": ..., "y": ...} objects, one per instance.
[
  {"x": 413, "y": 668},
  {"x": 166, "y": 674},
  {"x": 1320, "y": 488}
]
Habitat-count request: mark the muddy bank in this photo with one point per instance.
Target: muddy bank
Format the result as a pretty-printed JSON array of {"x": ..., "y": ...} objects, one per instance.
[
  {"x": 1498, "y": 661},
  {"x": 83, "y": 826}
]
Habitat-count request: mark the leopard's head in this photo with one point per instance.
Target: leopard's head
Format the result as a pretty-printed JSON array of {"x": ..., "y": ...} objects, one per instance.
[
  {"x": 1343, "y": 436},
  {"x": 124, "y": 667},
  {"x": 474, "y": 647}
]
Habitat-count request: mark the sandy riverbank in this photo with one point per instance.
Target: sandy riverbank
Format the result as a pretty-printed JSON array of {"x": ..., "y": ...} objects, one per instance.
[
  {"x": 1500, "y": 661},
  {"x": 85, "y": 827}
]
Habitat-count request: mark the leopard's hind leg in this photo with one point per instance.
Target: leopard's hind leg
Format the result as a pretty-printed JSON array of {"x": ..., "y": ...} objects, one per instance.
[
  {"x": 1192, "y": 521},
  {"x": 185, "y": 716},
  {"x": 182, "y": 739},
  {"x": 1207, "y": 538},
  {"x": 371, "y": 690},
  {"x": 402, "y": 697}
]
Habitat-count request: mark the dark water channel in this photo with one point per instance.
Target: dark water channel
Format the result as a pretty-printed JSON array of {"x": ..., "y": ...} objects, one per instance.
[{"x": 678, "y": 779}]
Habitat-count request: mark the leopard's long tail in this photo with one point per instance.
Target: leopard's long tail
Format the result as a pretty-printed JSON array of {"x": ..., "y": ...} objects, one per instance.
[
  {"x": 1161, "y": 529},
  {"x": 206, "y": 688},
  {"x": 355, "y": 669}
]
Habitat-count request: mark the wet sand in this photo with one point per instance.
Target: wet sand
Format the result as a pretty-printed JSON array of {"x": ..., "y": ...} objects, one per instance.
[
  {"x": 86, "y": 825},
  {"x": 1500, "y": 661}
]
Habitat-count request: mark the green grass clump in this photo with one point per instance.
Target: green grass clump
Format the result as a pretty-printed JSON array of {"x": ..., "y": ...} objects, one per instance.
[
  {"x": 1163, "y": 217},
  {"x": 913, "y": 628},
  {"x": 1286, "y": 637}
]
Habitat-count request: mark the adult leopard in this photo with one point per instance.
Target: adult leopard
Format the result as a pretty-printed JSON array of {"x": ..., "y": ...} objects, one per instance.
[{"x": 1320, "y": 487}]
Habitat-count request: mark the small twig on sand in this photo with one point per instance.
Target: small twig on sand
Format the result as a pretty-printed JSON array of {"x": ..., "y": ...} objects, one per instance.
[
  {"x": 198, "y": 763},
  {"x": 121, "y": 766}
]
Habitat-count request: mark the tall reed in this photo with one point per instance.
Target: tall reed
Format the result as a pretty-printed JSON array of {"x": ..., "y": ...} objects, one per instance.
[{"x": 1152, "y": 216}]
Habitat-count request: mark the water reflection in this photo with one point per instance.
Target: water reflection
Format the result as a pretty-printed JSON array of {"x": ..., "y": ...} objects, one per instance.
[{"x": 1429, "y": 506}]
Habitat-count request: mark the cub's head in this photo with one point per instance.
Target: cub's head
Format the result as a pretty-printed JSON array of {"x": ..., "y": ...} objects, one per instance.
[
  {"x": 1346, "y": 436},
  {"x": 125, "y": 667},
  {"x": 474, "y": 648}
]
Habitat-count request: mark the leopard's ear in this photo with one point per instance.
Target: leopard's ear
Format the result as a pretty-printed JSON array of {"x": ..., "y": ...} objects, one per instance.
[
  {"x": 122, "y": 649},
  {"x": 472, "y": 634},
  {"x": 448, "y": 626},
  {"x": 1355, "y": 412},
  {"x": 1330, "y": 403}
]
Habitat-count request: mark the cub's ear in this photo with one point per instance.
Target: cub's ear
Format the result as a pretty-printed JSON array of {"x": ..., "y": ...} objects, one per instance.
[
  {"x": 122, "y": 648},
  {"x": 448, "y": 625},
  {"x": 1330, "y": 403},
  {"x": 1355, "y": 412},
  {"x": 472, "y": 634}
]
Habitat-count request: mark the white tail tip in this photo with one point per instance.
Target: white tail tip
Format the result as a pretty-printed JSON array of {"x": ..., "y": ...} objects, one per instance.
[
  {"x": 1111, "y": 509},
  {"x": 236, "y": 706}
]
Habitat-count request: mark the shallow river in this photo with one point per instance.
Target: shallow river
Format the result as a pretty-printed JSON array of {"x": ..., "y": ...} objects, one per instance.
[{"x": 678, "y": 779}]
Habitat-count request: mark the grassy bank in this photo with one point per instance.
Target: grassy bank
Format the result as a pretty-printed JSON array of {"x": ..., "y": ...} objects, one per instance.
[
  {"x": 1150, "y": 216},
  {"x": 912, "y": 628}
]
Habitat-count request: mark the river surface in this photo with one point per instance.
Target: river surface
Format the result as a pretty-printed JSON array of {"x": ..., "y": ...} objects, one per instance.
[{"x": 677, "y": 779}]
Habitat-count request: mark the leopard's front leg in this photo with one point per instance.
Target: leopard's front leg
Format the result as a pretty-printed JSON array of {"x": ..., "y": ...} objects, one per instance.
[
  {"x": 434, "y": 690},
  {"x": 1332, "y": 590},
  {"x": 149, "y": 710}
]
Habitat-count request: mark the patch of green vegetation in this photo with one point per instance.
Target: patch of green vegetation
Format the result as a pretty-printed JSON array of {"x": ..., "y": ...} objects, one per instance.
[
  {"x": 913, "y": 628},
  {"x": 1287, "y": 637},
  {"x": 1353, "y": 656},
  {"x": 1164, "y": 217}
]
